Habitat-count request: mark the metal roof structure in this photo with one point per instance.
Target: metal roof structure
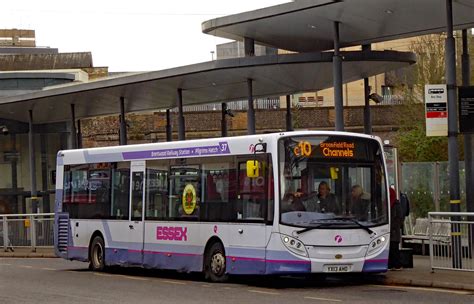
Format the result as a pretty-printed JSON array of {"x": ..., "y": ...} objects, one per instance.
[
  {"x": 307, "y": 25},
  {"x": 214, "y": 81}
]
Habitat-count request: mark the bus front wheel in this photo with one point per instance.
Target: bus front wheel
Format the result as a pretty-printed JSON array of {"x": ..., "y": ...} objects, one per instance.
[
  {"x": 97, "y": 254},
  {"x": 215, "y": 267}
]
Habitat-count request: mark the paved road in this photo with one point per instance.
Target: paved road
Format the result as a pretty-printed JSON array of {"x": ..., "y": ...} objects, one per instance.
[{"x": 60, "y": 281}]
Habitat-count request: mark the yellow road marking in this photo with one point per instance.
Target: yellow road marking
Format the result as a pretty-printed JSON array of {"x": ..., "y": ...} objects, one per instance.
[
  {"x": 323, "y": 299},
  {"x": 103, "y": 274},
  {"x": 263, "y": 292},
  {"x": 459, "y": 292},
  {"x": 133, "y": 278},
  {"x": 173, "y": 282}
]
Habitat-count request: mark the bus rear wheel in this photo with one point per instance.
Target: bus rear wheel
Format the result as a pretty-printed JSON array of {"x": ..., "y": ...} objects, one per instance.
[
  {"x": 215, "y": 265},
  {"x": 97, "y": 254}
]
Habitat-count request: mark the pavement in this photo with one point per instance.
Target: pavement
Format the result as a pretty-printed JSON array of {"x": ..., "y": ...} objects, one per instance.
[{"x": 421, "y": 275}]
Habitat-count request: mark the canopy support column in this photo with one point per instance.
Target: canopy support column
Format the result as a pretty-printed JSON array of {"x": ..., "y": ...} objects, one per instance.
[
  {"x": 181, "y": 124},
  {"x": 289, "y": 118},
  {"x": 337, "y": 80},
  {"x": 31, "y": 147},
  {"x": 251, "y": 110},
  {"x": 453, "y": 152},
  {"x": 123, "y": 123}
]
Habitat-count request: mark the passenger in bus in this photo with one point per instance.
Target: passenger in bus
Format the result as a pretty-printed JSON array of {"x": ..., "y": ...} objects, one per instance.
[
  {"x": 359, "y": 203},
  {"x": 293, "y": 202},
  {"x": 327, "y": 200}
]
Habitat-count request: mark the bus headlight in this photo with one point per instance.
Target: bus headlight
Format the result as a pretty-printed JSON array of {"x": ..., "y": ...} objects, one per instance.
[
  {"x": 377, "y": 244},
  {"x": 294, "y": 245}
]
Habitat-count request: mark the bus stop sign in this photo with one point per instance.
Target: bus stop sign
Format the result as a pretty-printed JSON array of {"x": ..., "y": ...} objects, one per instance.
[{"x": 466, "y": 109}]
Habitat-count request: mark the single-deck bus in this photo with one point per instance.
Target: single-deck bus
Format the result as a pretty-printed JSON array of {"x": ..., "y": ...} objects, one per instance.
[{"x": 284, "y": 203}]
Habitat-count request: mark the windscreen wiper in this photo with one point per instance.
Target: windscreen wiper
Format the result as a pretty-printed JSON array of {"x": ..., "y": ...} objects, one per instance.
[
  {"x": 313, "y": 227},
  {"x": 369, "y": 231}
]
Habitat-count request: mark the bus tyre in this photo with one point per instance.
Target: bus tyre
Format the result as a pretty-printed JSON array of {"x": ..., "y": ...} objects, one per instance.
[
  {"x": 97, "y": 254},
  {"x": 215, "y": 266}
]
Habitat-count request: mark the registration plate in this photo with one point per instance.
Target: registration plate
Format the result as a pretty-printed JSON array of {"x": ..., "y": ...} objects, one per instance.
[{"x": 337, "y": 268}]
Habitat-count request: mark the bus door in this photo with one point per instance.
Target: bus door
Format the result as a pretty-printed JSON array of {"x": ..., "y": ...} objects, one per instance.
[
  {"x": 247, "y": 238},
  {"x": 136, "y": 217}
]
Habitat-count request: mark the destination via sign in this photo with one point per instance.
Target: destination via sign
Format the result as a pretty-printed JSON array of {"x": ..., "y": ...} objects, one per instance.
[{"x": 466, "y": 109}]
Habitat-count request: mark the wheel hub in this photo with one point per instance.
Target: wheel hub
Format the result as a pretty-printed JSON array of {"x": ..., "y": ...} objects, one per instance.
[{"x": 217, "y": 263}]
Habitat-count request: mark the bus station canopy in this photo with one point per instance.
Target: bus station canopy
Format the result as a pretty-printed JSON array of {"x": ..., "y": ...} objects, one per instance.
[
  {"x": 307, "y": 25},
  {"x": 208, "y": 82}
]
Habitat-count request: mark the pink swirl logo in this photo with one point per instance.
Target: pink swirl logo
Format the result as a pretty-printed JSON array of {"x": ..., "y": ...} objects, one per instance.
[
  {"x": 338, "y": 238},
  {"x": 215, "y": 229}
]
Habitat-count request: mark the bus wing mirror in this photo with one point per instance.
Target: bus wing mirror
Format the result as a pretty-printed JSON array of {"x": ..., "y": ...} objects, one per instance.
[
  {"x": 253, "y": 167},
  {"x": 334, "y": 172}
]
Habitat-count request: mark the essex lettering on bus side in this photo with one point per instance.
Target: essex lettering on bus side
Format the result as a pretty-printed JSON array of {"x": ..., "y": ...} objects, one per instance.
[{"x": 172, "y": 233}]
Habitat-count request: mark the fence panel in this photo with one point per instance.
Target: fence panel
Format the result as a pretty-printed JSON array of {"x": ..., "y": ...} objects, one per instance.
[
  {"x": 26, "y": 230},
  {"x": 451, "y": 240}
]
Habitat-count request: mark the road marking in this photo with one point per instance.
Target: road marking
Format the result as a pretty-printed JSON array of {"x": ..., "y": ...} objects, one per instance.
[
  {"x": 459, "y": 292},
  {"x": 133, "y": 278},
  {"x": 263, "y": 292},
  {"x": 103, "y": 274},
  {"x": 173, "y": 282},
  {"x": 323, "y": 299},
  {"x": 26, "y": 266},
  {"x": 205, "y": 285},
  {"x": 228, "y": 288},
  {"x": 5, "y": 264},
  {"x": 51, "y": 269}
]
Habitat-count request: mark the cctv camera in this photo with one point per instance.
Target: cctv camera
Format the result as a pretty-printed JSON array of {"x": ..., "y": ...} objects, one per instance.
[
  {"x": 229, "y": 112},
  {"x": 376, "y": 97},
  {"x": 4, "y": 130}
]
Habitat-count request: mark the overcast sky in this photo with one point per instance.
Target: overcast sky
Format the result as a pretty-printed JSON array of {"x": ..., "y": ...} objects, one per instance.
[{"x": 134, "y": 35}]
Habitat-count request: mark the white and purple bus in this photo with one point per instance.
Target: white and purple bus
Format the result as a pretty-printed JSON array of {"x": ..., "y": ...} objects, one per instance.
[{"x": 284, "y": 203}]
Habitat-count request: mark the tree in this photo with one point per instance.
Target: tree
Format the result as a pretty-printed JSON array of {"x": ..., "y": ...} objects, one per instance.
[{"x": 411, "y": 138}]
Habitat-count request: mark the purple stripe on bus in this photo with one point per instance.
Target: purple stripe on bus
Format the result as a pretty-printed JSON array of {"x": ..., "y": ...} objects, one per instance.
[
  {"x": 245, "y": 258},
  {"x": 377, "y": 261},
  {"x": 289, "y": 261},
  {"x": 221, "y": 148},
  {"x": 172, "y": 253}
]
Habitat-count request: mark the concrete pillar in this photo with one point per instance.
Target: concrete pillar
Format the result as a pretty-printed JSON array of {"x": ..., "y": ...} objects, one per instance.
[{"x": 249, "y": 47}]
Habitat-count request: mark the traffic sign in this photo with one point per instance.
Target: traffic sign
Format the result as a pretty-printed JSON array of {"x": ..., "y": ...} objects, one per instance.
[{"x": 436, "y": 110}]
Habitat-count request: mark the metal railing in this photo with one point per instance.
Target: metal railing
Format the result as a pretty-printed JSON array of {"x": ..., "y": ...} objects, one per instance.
[
  {"x": 240, "y": 105},
  {"x": 451, "y": 240},
  {"x": 26, "y": 230}
]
